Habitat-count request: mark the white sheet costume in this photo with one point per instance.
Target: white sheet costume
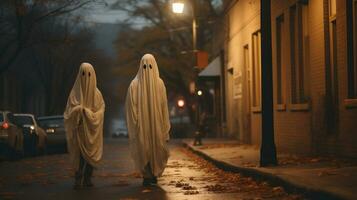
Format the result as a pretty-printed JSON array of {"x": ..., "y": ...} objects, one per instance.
[
  {"x": 83, "y": 120},
  {"x": 147, "y": 119}
]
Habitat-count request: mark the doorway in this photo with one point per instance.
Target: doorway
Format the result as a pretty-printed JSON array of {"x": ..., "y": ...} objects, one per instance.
[{"x": 247, "y": 96}]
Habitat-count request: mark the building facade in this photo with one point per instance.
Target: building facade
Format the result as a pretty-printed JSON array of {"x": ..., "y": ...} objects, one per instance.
[{"x": 314, "y": 48}]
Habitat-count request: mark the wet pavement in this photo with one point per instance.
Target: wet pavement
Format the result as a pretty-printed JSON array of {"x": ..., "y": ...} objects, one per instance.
[
  {"x": 319, "y": 177},
  {"x": 187, "y": 176}
]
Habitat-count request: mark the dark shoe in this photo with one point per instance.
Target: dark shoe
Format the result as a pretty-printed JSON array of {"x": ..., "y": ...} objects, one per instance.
[
  {"x": 154, "y": 180},
  {"x": 88, "y": 183},
  {"x": 77, "y": 181},
  {"x": 147, "y": 182},
  {"x": 77, "y": 186}
]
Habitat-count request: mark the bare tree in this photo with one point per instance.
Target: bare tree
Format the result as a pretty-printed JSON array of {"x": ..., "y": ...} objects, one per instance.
[
  {"x": 18, "y": 19},
  {"x": 165, "y": 35}
]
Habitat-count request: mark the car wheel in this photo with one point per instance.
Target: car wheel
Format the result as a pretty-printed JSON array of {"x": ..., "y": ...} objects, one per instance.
[
  {"x": 34, "y": 142},
  {"x": 7, "y": 152},
  {"x": 21, "y": 151},
  {"x": 43, "y": 149}
]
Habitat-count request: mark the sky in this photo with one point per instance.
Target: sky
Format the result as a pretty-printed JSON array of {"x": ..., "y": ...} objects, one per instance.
[{"x": 101, "y": 13}]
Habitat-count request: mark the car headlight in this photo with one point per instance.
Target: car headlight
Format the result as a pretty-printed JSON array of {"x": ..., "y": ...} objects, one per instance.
[{"x": 50, "y": 130}]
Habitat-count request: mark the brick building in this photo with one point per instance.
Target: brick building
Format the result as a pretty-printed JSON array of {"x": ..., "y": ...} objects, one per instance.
[{"x": 314, "y": 47}]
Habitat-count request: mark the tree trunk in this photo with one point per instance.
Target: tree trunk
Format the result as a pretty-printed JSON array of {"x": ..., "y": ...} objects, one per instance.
[{"x": 267, "y": 149}]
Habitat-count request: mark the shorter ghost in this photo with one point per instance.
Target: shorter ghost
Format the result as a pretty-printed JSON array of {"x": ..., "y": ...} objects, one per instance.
[{"x": 83, "y": 118}]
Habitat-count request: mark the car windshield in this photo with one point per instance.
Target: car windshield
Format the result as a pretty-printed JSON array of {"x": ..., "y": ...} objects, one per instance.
[
  {"x": 53, "y": 123},
  {"x": 1, "y": 117},
  {"x": 23, "y": 120}
]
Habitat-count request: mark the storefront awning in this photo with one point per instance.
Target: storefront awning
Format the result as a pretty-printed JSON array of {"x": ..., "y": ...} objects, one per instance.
[{"x": 213, "y": 69}]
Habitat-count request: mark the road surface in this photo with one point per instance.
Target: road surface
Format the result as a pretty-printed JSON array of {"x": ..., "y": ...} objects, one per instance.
[{"x": 187, "y": 176}]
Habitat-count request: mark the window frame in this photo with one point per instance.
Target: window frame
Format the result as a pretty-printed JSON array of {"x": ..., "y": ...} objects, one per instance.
[
  {"x": 280, "y": 37},
  {"x": 256, "y": 71},
  {"x": 332, "y": 52},
  {"x": 299, "y": 56}
]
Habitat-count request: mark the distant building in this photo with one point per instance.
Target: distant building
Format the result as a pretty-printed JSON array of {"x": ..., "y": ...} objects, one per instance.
[{"x": 314, "y": 47}]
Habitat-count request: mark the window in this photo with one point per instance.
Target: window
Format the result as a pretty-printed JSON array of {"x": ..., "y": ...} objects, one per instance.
[
  {"x": 247, "y": 77},
  {"x": 280, "y": 56},
  {"x": 256, "y": 51},
  {"x": 299, "y": 53},
  {"x": 352, "y": 48},
  {"x": 331, "y": 71},
  {"x": 332, "y": 7}
]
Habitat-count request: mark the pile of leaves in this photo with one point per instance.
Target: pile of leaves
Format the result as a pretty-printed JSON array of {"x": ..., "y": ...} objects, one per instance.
[
  {"x": 306, "y": 160},
  {"x": 219, "y": 181},
  {"x": 217, "y": 145}
]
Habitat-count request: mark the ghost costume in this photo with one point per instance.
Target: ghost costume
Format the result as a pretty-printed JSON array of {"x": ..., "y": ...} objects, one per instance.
[
  {"x": 83, "y": 119},
  {"x": 147, "y": 119}
]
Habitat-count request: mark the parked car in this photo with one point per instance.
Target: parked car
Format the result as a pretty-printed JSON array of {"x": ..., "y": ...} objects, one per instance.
[
  {"x": 120, "y": 133},
  {"x": 34, "y": 136},
  {"x": 11, "y": 136},
  {"x": 56, "y": 134}
]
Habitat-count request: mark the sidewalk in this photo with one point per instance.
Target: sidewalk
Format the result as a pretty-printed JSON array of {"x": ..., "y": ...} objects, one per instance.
[{"x": 317, "y": 178}]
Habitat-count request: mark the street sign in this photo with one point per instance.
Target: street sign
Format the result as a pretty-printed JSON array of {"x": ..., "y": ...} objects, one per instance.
[{"x": 202, "y": 59}]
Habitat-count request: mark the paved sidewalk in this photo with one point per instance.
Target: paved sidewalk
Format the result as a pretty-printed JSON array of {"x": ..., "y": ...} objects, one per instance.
[{"x": 317, "y": 178}]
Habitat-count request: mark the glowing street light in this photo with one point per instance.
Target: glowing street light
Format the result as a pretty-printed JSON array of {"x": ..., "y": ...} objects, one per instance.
[
  {"x": 180, "y": 103},
  {"x": 177, "y": 7},
  {"x": 199, "y": 92}
]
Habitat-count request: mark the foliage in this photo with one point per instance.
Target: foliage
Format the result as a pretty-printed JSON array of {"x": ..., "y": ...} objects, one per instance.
[
  {"x": 42, "y": 44},
  {"x": 19, "y": 20},
  {"x": 168, "y": 37}
]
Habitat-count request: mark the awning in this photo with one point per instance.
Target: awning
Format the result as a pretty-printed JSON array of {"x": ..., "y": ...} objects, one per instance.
[{"x": 212, "y": 69}]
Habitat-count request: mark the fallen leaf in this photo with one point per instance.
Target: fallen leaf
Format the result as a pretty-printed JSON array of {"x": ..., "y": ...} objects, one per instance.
[
  {"x": 190, "y": 192},
  {"x": 121, "y": 184}
]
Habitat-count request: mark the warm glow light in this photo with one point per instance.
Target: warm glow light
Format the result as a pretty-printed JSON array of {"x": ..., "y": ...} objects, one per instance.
[
  {"x": 180, "y": 103},
  {"x": 177, "y": 7},
  {"x": 192, "y": 87},
  {"x": 5, "y": 125},
  {"x": 199, "y": 92}
]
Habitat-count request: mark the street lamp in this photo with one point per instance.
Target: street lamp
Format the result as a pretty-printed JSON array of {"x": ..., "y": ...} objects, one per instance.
[
  {"x": 199, "y": 92},
  {"x": 180, "y": 103},
  {"x": 177, "y": 8}
]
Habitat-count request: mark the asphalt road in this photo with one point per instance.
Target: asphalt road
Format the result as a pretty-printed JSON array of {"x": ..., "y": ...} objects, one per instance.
[{"x": 187, "y": 176}]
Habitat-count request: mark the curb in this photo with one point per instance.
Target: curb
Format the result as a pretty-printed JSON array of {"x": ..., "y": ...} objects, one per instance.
[{"x": 268, "y": 177}]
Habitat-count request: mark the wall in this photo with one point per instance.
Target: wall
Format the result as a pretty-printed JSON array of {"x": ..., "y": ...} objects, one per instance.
[{"x": 299, "y": 128}]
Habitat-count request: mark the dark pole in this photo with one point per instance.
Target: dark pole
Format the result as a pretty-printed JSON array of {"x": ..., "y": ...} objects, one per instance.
[
  {"x": 194, "y": 53},
  {"x": 267, "y": 148},
  {"x": 194, "y": 28}
]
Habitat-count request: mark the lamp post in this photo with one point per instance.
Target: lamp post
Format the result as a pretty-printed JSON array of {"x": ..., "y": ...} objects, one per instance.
[
  {"x": 178, "y": 8},
  {"x": 267, "y": 148},
  {"x": 180, "y": 105}
]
